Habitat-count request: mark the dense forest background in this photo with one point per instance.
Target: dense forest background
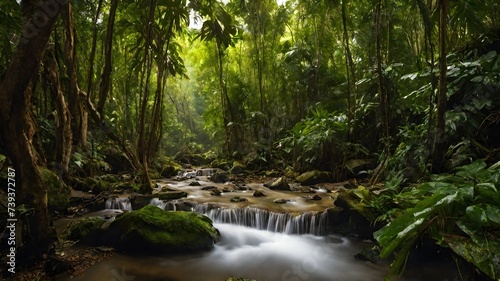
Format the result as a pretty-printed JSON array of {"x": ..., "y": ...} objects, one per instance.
[{"x": 392, "y": 89}]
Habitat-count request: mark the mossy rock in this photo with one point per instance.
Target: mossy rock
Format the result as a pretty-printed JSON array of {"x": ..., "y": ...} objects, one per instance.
[
  {"x": 258, "y": 193},
  {"x": 168, "y": 167},
  {"x": 314, "y": 177},
  {"x": 220, "y": 177},
  {"x": 238, "y": 168},
  {"x": 289, "y": 172},
  {"x": 58, "y": 192},
  {"x": 279, "y": 184},
  {"x": 152, "y": 230},
  {"x": 238, "y": 199},
  {"x": 87, "y": 230},
  {"x": 221, "y": 164}
]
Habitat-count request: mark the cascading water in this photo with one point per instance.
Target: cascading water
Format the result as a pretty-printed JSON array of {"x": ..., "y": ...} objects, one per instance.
[
  {"x": 307, "y": 223},
  {"x": 118, "y": 204}
]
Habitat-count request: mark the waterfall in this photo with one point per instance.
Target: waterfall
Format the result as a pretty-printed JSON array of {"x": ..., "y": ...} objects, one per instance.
[
  {"x": 306, "y": 223},
  {"x": 118, "y": 204}
]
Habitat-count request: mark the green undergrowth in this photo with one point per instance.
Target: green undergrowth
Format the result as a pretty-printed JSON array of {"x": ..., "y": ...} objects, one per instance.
[{"x": 459, "y": 210}]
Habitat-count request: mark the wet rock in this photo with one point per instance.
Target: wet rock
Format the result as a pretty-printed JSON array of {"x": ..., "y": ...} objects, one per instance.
[
  {"x": 87, "y": 230},
  {"x": 306, "y": 189},
  {"x": 58, "y": 193},
  {"x": 215, "y": 192},
  {"x": 210, "y": 187},
  {"x": 169, "y": 168},
  {"x": 356, "y": 166},
  {"x": 281, "y": 201},
  {"x": 279, "y": 184},
  {"x": 238, "y": 168},
  {"x": 367, "y": 254},
  {"x": 316, "y": 197},
  {"x": 194, "y": 183},
  {"x": 272, "y": 173},
  {"x": 238, "y": 199},
  {"x": 258, "y": 193},
  {"x": 152, "y": 230},
  {"x": 220, "y": 177},
  {"x": 314, "y": 177}
]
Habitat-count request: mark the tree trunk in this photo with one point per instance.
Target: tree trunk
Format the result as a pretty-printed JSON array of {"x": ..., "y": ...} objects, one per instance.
[
  {"x": 439, "y": 138},
  {"x": 108, "y": 47},
  {"x": 351, "y": 73},
  {"x": 90, "y": 72},
  {"x": 64, "y": 136},
  {"x": 17, "y": 129}
]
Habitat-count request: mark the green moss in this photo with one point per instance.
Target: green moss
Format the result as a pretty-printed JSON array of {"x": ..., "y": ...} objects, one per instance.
[
  {"x": 152, "y": 230},
  {"x": 58, "y": 193},
  {"x": 314, "y": 177},
  {"x": 86, "y": 229}
]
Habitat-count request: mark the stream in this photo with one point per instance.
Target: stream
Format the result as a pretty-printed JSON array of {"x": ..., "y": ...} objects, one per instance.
[{"x": 259, "y": 244}]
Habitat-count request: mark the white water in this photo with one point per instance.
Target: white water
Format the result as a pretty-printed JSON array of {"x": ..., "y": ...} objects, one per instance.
[
  {"x": 118, "y": 204},
  {"x": 250, "y": 253}
]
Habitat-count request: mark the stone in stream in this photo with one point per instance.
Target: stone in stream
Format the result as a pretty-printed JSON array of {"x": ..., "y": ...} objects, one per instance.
[
  {"x": 194, "y": 183},
  {"x": 152, "y": 230},
  {"x": 210, "y": 187},
  {"x": 281, "y": 201},
  {"x": 215, "y": 192},
  {"x": 279, "y": 184},
  {"x": 238, "y": 199},
  {"x": 258, "y": 193},
  {"x": 220, "y": 177},
  {"x": 314, "y": 177}
]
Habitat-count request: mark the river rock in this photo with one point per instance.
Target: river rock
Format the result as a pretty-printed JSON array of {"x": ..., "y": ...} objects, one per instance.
[
  {"x": 279, "y": 184},
  {"x": 58, "y": 193},
  {"x": 152, "y": 230},
  {"x": 281, "y": 201},
  {"x": 314, "y": 177},
  {"x": 238, "y": 199},
  {"x": 316, "y": 197},
  {"x": 140, "y": 200},
  {"x": 210, "y": 187},
  {"x": 258, "y": 193},
  {"x": 238, "y": 168},
  {"x": 215, "y": 192},
  {"x": 220, "y": 177},
  {"x": 194, "y": 183},
  {"x": 88, "y": 230}
]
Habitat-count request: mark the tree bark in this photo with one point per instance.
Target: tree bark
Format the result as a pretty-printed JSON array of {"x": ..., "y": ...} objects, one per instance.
[
  {"x": 17, "y": 129},
  {"x": 108, "y": 47},
  {"x": 439, "y": 137},
  {"x": 64, "y": 136}
]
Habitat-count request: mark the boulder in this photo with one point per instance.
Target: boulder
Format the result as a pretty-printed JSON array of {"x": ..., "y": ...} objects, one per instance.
[
  {"x": 220, "y": 177},
  {"x": 210, "y": 187},
  {"x": 279, "y": 184},
  {"x": 314, "y": 177},
  {"x": 238, "y": 199},
  {"x": 88, "y": 230},
  {"x": 281, "y": 201},
  {"x": 238, "y": 168},
  {"x": 152, "y": 230},
  {"x": 169, "y": 168},
  {"x": 258, "y": 193},
  {"x": 215, "y": 192},
  {"x": 194, "y": 183},
  {"x": 58, "y": 193}
]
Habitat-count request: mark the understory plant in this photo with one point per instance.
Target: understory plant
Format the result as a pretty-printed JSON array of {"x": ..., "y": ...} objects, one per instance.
[{"x": 459, "y": 210}]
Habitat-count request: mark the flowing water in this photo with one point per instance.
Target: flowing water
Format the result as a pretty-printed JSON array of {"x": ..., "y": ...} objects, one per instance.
[{"x": 273, "y": 244}]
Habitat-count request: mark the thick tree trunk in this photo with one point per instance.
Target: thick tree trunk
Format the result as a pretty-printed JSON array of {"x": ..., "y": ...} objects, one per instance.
[
  {"x": 64, "y": 136},
  {"x": 17, "y": 129},
  {"x": 439, "y": 138},
  {"x": 351, "y": 74},
  {"x": 108, "y": 47},
  {"x": 79, "y": 112}
]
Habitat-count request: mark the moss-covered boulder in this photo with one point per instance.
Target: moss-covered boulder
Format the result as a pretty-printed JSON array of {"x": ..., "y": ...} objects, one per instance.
[
  {"x": 238, "y": 168},
  {"x": 258, "y": 193},
  {"x": 169, "y": 168},
  {"x": 88, "y": 230},
  {"x": 220, "y": 177},
  {"x": 58, "y": 193},
  {"x": 152, "y": 230},
  {"x": 314, "y": 177}
]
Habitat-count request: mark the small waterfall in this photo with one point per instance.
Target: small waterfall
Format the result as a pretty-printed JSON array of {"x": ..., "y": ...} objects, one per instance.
[
  {"x": 118, "y": 204},
  {"x": 307, "y": 223}
]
